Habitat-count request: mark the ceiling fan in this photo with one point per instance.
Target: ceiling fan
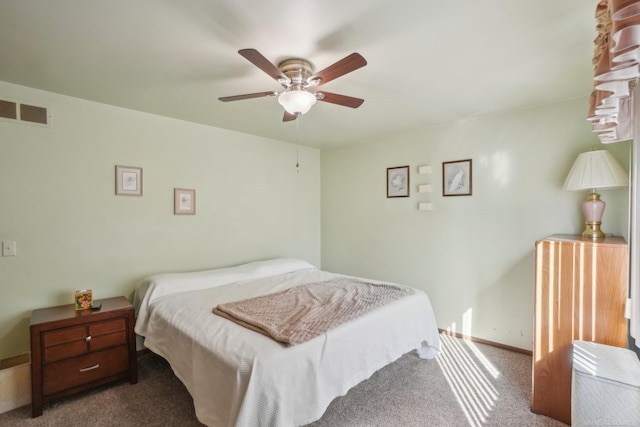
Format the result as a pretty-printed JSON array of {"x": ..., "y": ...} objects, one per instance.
[{"x": 298, "y": 78}]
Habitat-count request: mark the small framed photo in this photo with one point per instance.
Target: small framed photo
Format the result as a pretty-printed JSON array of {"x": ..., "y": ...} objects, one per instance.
[
  {"x": 128, "y": 181},
  {"x": 84, "y": 299},
  {"x": 457, "y": 178},
  {"x": 398, "y": 181},
  {"x": 184, "y": 201}
]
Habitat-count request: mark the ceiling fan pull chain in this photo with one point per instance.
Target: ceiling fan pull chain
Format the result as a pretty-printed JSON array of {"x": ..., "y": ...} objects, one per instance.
[{"x": 298, "y": 143}]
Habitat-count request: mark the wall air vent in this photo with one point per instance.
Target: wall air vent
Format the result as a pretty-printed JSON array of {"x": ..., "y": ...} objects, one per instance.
[
  {"x": 22, "y": 112},
  {"x": 8, "y": 109}
]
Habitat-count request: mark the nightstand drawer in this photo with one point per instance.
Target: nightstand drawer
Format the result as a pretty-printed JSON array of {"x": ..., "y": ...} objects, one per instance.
[
  {"x": 63, "y": 343},
  {"x": 62, "y": 336},
  {"x": 80, "y": 370},
  {"x": 107, "y": 334},
  {"x": 110, "y": 340},
  {"x": 108, "y": 327},
  {"x": 64, "y": 351}
]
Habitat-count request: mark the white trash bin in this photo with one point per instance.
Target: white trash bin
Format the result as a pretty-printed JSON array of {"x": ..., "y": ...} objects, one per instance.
[{"x": 605, "y": 389}]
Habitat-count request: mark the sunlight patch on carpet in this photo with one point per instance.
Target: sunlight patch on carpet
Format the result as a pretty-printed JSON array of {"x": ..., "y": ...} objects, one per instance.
[{"x": 467, "y": 372}]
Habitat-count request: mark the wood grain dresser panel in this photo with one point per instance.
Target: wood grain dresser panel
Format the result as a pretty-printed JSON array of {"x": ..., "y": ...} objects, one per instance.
[{"x": 581, "y": 289}]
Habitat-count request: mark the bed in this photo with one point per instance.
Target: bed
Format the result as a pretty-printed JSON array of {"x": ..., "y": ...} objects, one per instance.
[{"x": 239, "y": 377}]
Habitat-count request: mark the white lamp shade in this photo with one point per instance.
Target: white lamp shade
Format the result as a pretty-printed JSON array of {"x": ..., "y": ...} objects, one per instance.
[
  {"x": 596, "y": 169},
  {"x": 297, "y": 101}
]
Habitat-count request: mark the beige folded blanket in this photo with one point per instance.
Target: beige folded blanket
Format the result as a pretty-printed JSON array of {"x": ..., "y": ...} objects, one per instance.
[{"x": 301, "y": 313}]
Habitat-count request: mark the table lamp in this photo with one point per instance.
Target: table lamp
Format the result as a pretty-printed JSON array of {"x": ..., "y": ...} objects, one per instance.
[{"x": 593, "y": 170}]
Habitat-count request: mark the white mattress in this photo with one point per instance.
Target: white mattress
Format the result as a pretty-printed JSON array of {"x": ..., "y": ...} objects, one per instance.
[{"x": 239, "y": 377}]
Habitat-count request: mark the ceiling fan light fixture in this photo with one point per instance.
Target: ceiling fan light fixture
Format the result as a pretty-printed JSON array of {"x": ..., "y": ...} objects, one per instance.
[
  {"x": 296, "y": 101},
  {"x": 297, "y": 77}
]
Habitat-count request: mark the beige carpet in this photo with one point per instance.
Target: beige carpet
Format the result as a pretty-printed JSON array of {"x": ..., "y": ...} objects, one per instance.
[{"x": 468, "y": 384}]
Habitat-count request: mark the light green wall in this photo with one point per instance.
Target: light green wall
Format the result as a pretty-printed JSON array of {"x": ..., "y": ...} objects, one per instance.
[
  {"x": 473, "y": 255},
  {"x": 57, "y": 202}
]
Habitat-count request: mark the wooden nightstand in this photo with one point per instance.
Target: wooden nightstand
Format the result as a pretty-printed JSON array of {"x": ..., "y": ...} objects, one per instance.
[{"x": 74, "y": 350}]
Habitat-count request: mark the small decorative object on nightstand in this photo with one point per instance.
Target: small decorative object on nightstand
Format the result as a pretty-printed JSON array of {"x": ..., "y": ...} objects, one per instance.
[
  {"x": 75, "y": 350},
  {"x": 84, "y": 299}
]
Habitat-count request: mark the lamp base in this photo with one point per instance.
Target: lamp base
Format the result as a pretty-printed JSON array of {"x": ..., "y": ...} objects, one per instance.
[
  {"x": 593, "y": 208},
  {"x": 592, "y": 230}
]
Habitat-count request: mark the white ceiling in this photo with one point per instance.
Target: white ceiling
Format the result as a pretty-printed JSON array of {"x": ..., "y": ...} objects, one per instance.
[{"x": 429, "y": 61}]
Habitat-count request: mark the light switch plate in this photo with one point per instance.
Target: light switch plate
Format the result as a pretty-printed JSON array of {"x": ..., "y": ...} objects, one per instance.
[
  {"x": 424, "y": 169},
  {"x": 424, "y": 188},
  {"x": 8, "y": 248}
]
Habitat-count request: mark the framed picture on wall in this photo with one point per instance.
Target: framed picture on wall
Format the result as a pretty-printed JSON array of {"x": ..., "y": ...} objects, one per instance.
[
  {"x": 128, "y": 181},
  {"x": 457, "y": 178},
  {"x": 184, "y": 201},
  {"x": 398, "y": 181}
]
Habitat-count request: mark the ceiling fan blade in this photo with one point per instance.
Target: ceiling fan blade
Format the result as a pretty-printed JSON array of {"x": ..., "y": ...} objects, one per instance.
[
  {"x": 340, "y": 68},
  {"x": 247, "y": 96},
  {"x": 334, "y": 98},
  {"x": 288, "y": 117},
  {"x": 257, "y": 59}
]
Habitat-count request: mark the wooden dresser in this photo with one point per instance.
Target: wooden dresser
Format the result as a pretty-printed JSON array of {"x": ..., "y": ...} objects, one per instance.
[
  {"x": 74, "y": 350},
  {"x": 581, "y": 289}
]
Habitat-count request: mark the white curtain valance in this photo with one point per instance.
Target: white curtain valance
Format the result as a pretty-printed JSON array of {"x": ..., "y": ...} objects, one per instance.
[
  {"x": 616, "y": 63},
  {"x": 613, "y": 109}
]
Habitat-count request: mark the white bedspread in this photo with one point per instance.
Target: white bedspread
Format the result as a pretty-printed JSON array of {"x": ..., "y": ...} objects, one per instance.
[{"x": 239, "y": 377}]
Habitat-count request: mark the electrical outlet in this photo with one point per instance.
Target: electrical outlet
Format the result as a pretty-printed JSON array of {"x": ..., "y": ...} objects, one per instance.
[{"x": 8, "y": 248}]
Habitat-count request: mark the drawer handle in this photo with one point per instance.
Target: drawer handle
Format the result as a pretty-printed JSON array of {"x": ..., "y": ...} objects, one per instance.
[
  {"x": 88, "y": 339},
  {"x": 90, "y": 368}
]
